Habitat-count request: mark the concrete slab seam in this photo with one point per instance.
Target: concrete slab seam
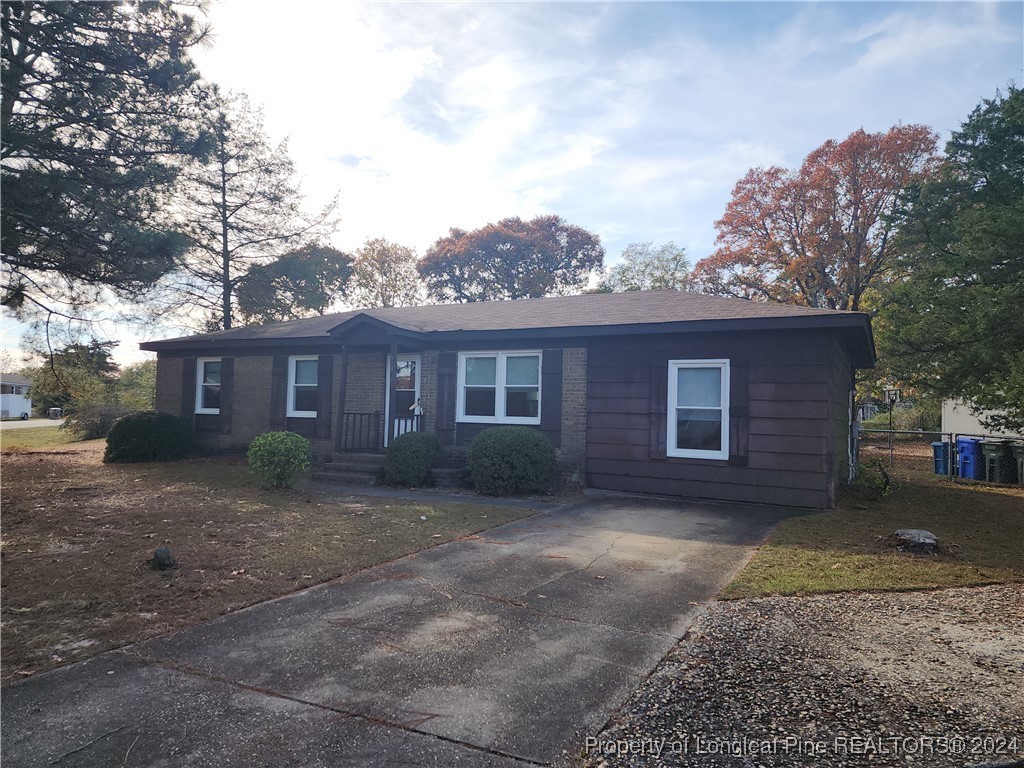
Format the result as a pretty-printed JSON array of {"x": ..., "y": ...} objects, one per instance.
[{"x": 187, "y": 669}]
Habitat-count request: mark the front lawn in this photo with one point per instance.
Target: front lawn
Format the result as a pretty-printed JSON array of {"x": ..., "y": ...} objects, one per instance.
[
  {"x": 34, "y": 437},
  {"x": 77, "y": 535},
  {"x": 981, "y": 526}
]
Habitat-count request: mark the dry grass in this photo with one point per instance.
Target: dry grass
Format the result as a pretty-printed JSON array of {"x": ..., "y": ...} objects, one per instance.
[
  {"x": 77, "y": 535},
  {"x": 981, "y": 527}
]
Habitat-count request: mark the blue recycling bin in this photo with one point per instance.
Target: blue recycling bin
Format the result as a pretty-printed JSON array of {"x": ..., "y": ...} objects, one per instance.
[
  {"x": 941, "y": 454},
  {"x": 972, "y": 464}
]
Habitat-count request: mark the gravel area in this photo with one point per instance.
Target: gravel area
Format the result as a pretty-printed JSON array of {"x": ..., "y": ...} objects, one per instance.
[{"x": 930, "y": 678}]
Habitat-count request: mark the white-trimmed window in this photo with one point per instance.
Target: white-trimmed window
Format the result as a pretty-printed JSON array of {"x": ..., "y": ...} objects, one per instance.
[
  {"x": 698, "y": 409},
  {"x": 499, "y": 387},
  {"x": 303, "y": 375},
  {"x": 208, "y": 385}
]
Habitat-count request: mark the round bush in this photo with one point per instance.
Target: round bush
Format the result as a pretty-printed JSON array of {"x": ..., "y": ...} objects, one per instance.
[
  {"x": 409, "y": 459},
  {"x": 148, "y": 436},
  {"x": 509, "y": 460},
  {"x": 277, "y": 457}
]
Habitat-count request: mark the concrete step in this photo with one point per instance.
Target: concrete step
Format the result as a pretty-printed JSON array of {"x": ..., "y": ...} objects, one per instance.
[
  {"x": 450, "y": 478},
  {"x": 347, "y": 478},
  {"x": 359, "y": 459},
  {"x": 350, "y": 469}
]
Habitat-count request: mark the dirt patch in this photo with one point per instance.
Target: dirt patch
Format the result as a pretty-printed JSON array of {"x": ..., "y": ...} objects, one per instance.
[{"x": 78, "y": 534}]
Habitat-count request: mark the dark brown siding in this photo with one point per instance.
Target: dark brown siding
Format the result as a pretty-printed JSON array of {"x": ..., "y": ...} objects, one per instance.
[
  {"x": 841, "y": 381},
  {"x": 783, "y": 423}
]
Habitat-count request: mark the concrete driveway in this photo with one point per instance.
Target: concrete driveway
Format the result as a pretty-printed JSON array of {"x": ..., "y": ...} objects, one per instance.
[{"x": 503, "y": 649}]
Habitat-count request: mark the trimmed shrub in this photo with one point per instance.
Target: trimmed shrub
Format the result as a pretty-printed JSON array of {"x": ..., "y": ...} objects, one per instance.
[
  {"x": 148, "y": 436},
  {"x": 91, "y": 422},
  {"x": 277, "y": 457},
  {"x": 409, "y": 459},
  {"x": 510, "y": 460}
]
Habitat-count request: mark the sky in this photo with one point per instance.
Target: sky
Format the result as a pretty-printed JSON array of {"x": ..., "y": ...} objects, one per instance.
[{"x": 632, "y": 120}]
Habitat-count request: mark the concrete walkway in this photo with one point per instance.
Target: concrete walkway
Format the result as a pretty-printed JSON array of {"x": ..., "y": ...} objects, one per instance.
[{"x": 504, "y": 649}]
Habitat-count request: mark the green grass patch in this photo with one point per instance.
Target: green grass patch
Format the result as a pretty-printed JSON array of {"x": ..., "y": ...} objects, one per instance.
[
  {"x": 981, "y": 529},
  {"x": 34, "y": 438}
]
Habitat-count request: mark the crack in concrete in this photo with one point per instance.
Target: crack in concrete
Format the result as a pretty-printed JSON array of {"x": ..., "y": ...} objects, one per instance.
[
  {"x": 575, "y": 571},
  {"x": 187, "y": 669},
  {"x": 87, "y": 745}
]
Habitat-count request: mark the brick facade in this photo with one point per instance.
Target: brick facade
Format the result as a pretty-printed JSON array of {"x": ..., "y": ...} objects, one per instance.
[
  {"x": 573, "y": 449},
  {"x": 364, "y": 393},
  {"x": 169, "y": 385}
]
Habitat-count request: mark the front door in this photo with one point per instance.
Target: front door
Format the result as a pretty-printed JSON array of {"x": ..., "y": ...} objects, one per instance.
[{"x": 407, "y": 397}]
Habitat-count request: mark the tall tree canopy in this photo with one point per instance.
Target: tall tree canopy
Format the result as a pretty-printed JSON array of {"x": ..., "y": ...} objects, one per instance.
[
  {"x": 81, "y": 372},
  {"x": 303, "y": 283},
  {"x": 646, "y": 268},
  {"x": 513, "y": 259},
  {"x": 98, "y": 101},
  {"x": 955, "y": 326},
  {"x": 820, "y": 235},
  {"x": 384, "y": 275},
  {"x": 239, "y": 209}
]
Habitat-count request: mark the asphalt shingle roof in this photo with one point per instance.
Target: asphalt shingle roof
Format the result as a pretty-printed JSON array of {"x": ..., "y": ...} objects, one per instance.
[{"x": 589, "y": 310}]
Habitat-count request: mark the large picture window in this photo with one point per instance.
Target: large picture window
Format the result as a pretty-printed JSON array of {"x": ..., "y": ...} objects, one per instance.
[
  {"x": 303, "y": 374},
  {"x": 499, "y": 387},
  {"x": 698, "y": 409},
  {"x": 208, "y": 385}
]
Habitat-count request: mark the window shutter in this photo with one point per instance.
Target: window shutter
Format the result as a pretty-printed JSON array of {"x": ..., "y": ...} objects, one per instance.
[
  {"x": 447, "y": 381},
  {"x": 227, "y": 379},
  {"x": 278, "y": 391},
  {"x": 324, "y": 380},
  {"x": 739, "y": 411},
  {"x": 188, "y": 389},
  {"x": 551, "y": 395},
  {"x": 659, "y": 411}
]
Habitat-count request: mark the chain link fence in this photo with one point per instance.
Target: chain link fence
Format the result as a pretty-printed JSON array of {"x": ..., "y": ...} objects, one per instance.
[{"x": 972, "y": 457}]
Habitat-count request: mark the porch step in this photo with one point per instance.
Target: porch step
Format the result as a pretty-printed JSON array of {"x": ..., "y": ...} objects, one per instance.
[
  {"x": 344, "y": 478},
  {"x": 373, "y": 460},
  {"x": 351, "y": 469},
  {"x": 450, "y": 477}
]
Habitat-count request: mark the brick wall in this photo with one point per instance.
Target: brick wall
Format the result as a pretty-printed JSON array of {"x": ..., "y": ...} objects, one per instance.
[
  {"x": 428, "y": 390},
  {"x": 364, "y": 392},
  {"x": 168, "y": 385},
  {"x": 250, "y": 399},
  {"x": 573, "y": 448}
]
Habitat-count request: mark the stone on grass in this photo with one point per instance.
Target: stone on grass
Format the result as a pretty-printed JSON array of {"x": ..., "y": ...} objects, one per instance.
[
  {"x": 916, "y": 540},
  {"x": 162, "y": 559}
]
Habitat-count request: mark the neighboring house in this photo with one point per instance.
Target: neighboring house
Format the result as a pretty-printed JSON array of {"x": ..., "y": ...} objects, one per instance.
[
  {"x": 15, "y": 399},
  {"x": 656, "y": 392},
  {"x": 957, "y": 418}
]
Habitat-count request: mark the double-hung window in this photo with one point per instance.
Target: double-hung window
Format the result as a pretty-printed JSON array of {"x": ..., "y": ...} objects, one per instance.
[
  {"x": 208, "y": 385},
  {"x": 698, "y": 409},
  {"x": 303, "y": 374},
  {"x": 499, "y": 387}
]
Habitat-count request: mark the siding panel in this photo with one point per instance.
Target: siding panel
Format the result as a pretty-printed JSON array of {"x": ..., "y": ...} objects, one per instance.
[{"x": 781, "y": 411}]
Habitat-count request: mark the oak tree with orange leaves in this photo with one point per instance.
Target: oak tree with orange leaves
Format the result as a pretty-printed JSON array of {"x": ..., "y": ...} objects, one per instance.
[
  {"x": 512, "y": 259},
  {"x": 820, "y": 235}
]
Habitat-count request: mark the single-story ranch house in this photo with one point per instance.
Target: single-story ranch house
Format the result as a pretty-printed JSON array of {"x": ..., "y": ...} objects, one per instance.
[{"x": 658, "y": 392}]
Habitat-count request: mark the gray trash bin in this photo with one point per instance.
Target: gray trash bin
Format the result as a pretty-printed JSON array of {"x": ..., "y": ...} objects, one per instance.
[
  {"x": 998, "y": 461},
  {"x": 1017, "y": 448}
]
